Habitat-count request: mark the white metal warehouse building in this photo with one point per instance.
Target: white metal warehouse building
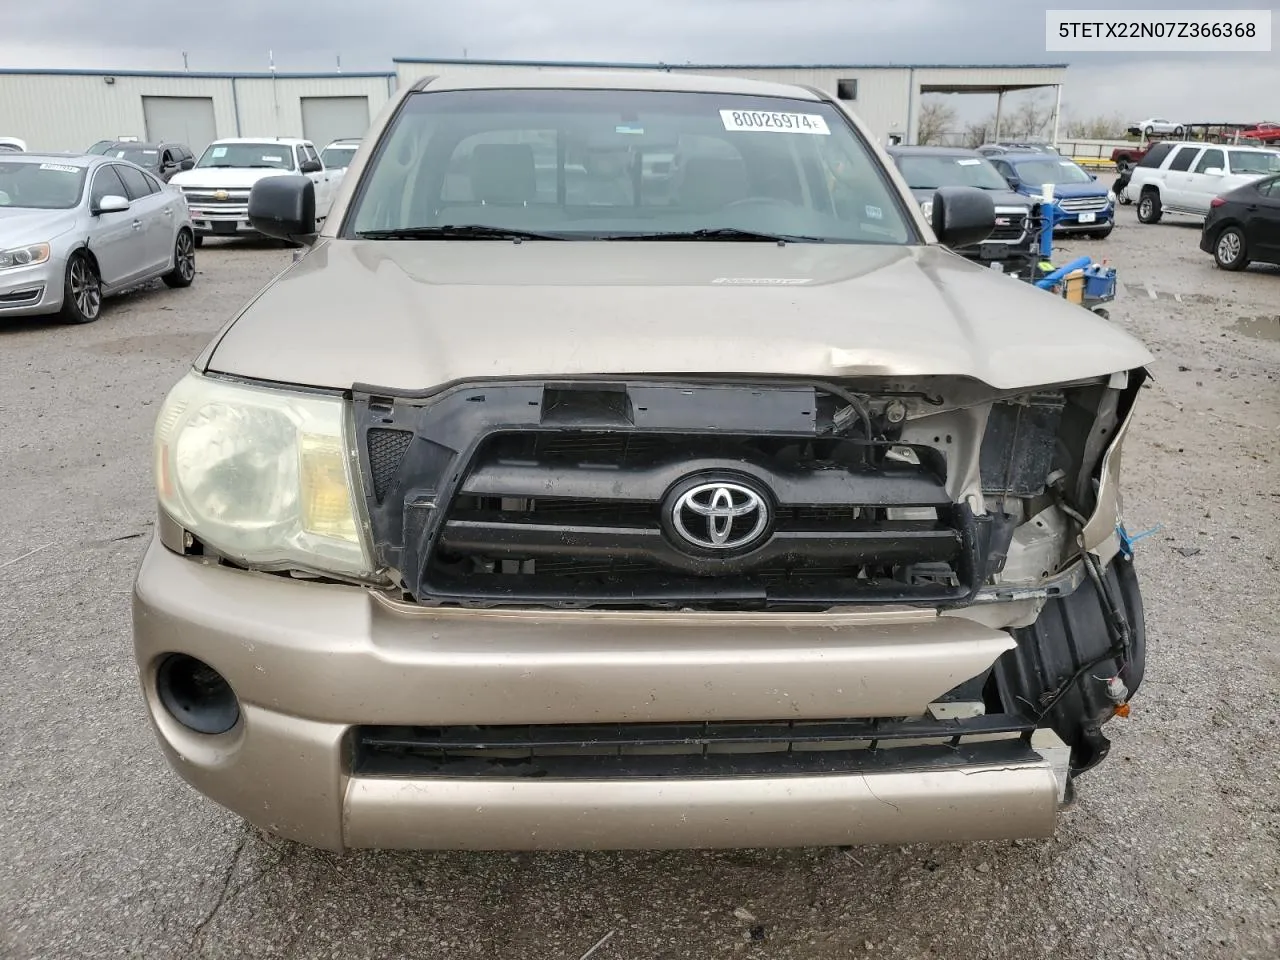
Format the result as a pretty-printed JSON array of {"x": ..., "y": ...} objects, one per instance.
[
  {"x": 71, "y": 109},
  {"x": 886, "y": 97}
]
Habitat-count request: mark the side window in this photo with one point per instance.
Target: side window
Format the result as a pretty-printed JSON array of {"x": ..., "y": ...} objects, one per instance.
[
  {"x": 135, "y": 181},
  {"x": 1004, "y": 168},
  {"x": 1155, "y": 156},
  {"x": 301, "y": 155},
  {"x": 106, "y": 184},
  {"x": 152, "y": 182},
  {"x": 1211, "y": 159},
  {"x": 1182, "y": 159},
  {"x": 311, "y": 153},
  {"x": 166, "y": 158}
]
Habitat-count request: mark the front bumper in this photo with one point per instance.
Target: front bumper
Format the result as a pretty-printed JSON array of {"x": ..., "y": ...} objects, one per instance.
[
  {"x": 309, "y": 662},
  {"x": 1072, "y": 224},
  {"x": 221, "y": 221},
  {"x": 32, "y": 290}
]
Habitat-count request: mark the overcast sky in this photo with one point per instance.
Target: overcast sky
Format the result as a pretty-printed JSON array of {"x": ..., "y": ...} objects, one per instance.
[{"x": 367, "y": 34}]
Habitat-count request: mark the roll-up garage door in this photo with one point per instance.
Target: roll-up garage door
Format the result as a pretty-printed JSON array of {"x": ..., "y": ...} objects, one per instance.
[
  {"x": 334, "y": 118},
  {"x": 186, "y": 120}
]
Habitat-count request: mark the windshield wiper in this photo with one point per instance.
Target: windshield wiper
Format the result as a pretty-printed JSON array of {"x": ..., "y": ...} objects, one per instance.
[
  {"x": 720, "y": 233},
  {"x": 450, "y": 232}
]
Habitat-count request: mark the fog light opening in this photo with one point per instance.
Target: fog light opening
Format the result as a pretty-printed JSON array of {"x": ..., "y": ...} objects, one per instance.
[{"x": 196, "y": 695}]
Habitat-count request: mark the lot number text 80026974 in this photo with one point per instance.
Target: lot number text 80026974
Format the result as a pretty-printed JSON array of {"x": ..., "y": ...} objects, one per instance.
[{"x": 769, "y": 122}]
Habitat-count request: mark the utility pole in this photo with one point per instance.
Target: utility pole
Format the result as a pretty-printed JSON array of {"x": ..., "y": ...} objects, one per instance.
[{"x": 184, "y": 62}]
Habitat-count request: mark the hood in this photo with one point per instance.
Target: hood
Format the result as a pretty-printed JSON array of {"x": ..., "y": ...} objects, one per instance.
[
  {"x": 1001, "y": 198},
  {"x": 408, "y": 315},
  {"x": 22, "y": 225},
  {"x": 223, "y": 177},
  {"x": 1064, "y": 190}
]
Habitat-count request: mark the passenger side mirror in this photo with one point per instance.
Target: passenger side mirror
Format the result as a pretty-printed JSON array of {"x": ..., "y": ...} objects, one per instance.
[
  {"x": 188, "y": 163},
  {"x": 963, "y": 216},
  {"x": 310, "y": 166},
  {"x": 111, "y": 204},
  {"x": 284, "y": 207},
  {"x": 1214, "y": 172}
]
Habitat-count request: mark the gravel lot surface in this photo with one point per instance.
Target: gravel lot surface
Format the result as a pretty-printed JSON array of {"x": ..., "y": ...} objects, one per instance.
[{"x": 1172, "y": 849}]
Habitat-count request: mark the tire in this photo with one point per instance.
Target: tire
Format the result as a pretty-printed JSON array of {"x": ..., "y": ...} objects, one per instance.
[
  {"x": 184, "y": 261},
  {"x": 199, "y": 240},
  {"x": 81, "y": 290},
  {"x": 1149, "y": 131},
  {"x": 1178, "y": 132},
  {"x": 1229, "y": 250},
  {"x": 1149, "y": 206},
  {"x": 1103, "y": 233}
]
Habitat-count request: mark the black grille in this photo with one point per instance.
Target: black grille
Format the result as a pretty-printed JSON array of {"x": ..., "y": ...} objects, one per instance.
[
  {"x": 707, "y": 749},
  {"x": 1013, "y": 229},
  {"x": 539, "y": 494},
  {"x": 386, "y": 450}
]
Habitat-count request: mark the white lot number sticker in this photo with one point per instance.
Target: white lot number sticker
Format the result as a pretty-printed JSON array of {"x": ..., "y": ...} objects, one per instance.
[
  {"x": 273, "y": 159},
  {"x": 968, "y": 162},
  {"x": 60, "y": 167},
  {"x": 763, "y": 121},
  {"x": 219, "y": 152}
]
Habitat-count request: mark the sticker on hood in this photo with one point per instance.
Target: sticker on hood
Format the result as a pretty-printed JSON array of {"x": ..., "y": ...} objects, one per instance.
[{"x": 765, "y": 121}]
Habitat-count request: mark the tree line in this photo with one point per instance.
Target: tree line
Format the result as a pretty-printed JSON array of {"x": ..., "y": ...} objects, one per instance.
[{"x": 1029, "y": 119}]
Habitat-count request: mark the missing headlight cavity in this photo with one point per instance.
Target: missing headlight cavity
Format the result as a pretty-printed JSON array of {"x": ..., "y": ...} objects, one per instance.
[{"x": 1018, "y": 446}]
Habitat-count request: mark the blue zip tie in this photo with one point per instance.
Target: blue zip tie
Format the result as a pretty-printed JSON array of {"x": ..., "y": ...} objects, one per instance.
[{"x": 1127, "y": 542}]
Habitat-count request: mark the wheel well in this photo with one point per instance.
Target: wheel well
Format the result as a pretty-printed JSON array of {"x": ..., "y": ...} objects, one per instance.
[
  {"x": 1150, "y": 188},
  {"x": 90, "y": 254}
]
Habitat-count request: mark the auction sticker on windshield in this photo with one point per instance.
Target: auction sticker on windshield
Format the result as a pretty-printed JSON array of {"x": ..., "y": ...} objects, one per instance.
[
  {"x": 769, "y": 122},
  {"x": 60, "y": 167}
]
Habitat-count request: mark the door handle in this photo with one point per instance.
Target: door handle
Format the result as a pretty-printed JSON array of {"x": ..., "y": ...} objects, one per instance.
[
  {"x": 168, "y": 211},
  {"x": 137, "y": 224}
]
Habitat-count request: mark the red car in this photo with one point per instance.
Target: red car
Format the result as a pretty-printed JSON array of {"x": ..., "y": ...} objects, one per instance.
[{"x": 1262, "y": 132}]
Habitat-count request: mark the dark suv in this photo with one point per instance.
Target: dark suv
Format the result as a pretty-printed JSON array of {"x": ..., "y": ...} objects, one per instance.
[
  {"x": 1013, "y": 242},
  {"x": 162, "y": 159}
]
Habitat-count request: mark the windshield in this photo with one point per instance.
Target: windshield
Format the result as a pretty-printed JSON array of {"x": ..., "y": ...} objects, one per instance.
[
  {"x": 102, "y": 146},
  {"x": 142, "y": 157},
  {"x": 931, "y": 172},
  {"x": 337, "y": 157},
  {"x": 40, "y": 186},
  {"x": 1051, "y": 171},
  {"x": 604, "y": 164},
  {"x": 276, "y": 155},
  {"x": 1254, "y": 161}
]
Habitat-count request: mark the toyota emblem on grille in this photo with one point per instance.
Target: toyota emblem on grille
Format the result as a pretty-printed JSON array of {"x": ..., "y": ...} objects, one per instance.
[{"x": 720, "y": 515}]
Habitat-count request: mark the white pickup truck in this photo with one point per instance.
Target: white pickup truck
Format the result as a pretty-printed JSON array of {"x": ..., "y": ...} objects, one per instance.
[{"x": 217, "y": 188}]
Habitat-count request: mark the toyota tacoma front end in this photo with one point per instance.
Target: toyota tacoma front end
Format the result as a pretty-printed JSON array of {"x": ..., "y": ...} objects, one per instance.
[{"x": 748, "y": 516}]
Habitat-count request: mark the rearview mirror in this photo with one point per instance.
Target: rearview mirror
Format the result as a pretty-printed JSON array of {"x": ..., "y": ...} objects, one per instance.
[
  {"x": 963, "y": 216},
  {"x": 284, "y": 207},
  {"x": 1214, "y": 172},
  {"x": 310, "y": 166},
  {"x": 111, "y": 204}
]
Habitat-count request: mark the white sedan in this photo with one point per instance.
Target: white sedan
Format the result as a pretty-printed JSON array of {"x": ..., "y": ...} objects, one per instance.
[
  {"x": 1156, "y": 125},
  {"x": 74, "y": 229}
]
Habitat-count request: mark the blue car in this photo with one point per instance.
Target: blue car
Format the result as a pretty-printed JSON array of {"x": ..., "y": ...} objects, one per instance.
[{"x": 1089, "y": 207}]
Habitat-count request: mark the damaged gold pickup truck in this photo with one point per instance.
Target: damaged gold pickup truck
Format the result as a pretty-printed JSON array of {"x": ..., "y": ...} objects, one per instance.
[{"x": 628, "y": 464}]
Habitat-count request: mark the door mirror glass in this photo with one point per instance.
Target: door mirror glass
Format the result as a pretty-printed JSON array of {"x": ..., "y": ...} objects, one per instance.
[
  {"x": 111, "y": 204},
  {"x": 1214, "y": 172},
  {"x": 310, "y": 166}
]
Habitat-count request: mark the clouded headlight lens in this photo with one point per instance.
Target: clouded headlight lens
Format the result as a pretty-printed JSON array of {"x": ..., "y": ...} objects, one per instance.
[
  {"x": 263, "y": 476},
  {"x": 24, "y": 256}
]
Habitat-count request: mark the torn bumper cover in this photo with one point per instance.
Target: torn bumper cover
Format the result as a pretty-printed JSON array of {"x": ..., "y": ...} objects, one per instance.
[{"x": 367, "y": 723}]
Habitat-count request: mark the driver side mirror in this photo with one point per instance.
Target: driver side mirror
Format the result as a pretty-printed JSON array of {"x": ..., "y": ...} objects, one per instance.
[
  {"x": 1013, "y": 182},
  {"x": 111, "y": 203},
  {"x": 1214, "y": 172},
  {"x": 284, "y": 207},
  {"x": 310, "y": 166},
  {"x": 963, "y": 216},
  {"x": 188, "y": 163},
  {"x": 1093, "y": 176}
]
